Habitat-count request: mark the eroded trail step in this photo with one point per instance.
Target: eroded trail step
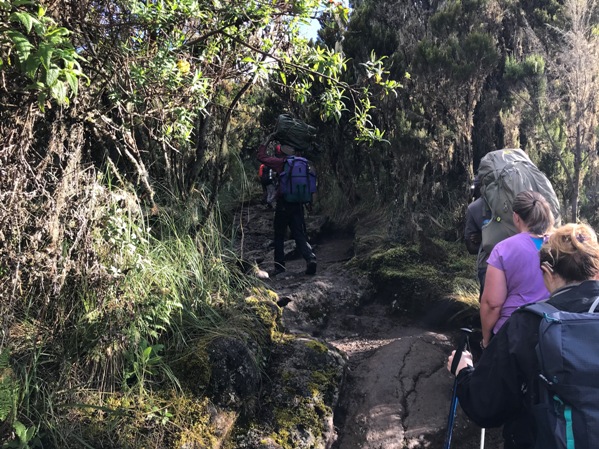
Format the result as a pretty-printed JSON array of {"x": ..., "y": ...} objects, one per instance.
[{"x": 398, "y": 391}]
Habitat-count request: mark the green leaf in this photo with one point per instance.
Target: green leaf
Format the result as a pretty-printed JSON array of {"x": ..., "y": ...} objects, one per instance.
[
  {"x": 17, "y": 3},
  {"x": 58, "y": 32},
  {"x": 45, "y": 54},
  {"x": 72, "y": 80},
  {"x": 20, "y": 430},
  {"x": 41, "y": 100},
  {"x": 59, "y": 92},
  {"x": 30, "y": 434},
  {"x": 26, "y": 19},
  {"x": 52, "y": 76},
  {"x": 22, "y": 44},
  {"x": 30, "y": 67},
  {"x": 147, "y": 352}
]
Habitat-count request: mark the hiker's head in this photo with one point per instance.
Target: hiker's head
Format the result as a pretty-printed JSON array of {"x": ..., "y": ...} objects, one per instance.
[
  {"x": 284, "y": 150},
  {"x": 571, "y": 252},
  {"x": 288, "y": 150},
  {"x": 534, "y": 211}
]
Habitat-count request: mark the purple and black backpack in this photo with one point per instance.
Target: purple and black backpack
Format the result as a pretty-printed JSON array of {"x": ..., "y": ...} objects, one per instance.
[{"x": 297, "y": 182}]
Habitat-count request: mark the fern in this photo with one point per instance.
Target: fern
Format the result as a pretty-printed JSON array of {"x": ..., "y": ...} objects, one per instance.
[{"x": 8, "y": 387}]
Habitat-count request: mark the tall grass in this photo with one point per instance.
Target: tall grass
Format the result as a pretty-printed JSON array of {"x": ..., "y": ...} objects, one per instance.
[{"x": 146, "y": 290}]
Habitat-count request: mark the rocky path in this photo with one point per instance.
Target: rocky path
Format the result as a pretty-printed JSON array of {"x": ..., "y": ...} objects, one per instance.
[{"x": 397, "y": 390}]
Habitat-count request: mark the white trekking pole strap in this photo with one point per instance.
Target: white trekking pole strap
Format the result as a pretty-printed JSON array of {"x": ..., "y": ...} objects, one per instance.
[{"x": 594, "y": 305}]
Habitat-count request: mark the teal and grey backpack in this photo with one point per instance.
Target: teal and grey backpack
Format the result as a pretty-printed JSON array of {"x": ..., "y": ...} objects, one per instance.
[{"x": 567, "y": 414}]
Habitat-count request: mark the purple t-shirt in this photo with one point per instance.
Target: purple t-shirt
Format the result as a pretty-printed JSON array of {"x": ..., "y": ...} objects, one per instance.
[{"x": 518, "y": 258}]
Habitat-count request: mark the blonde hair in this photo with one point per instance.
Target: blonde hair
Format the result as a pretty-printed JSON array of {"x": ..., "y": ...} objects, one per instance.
[{"x": 572, "y": 252}]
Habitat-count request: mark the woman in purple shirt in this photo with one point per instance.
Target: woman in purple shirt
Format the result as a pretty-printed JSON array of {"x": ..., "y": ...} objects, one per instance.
[{"x": 513, "y": 274}]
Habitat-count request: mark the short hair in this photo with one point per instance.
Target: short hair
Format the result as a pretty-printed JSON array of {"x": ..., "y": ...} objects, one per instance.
[
  {"x": 572, "y": 252},
  {"x": 534, "y": 210}
]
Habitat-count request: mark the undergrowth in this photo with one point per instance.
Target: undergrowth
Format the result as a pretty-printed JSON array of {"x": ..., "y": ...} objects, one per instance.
[{"x": 96, "y": 330}]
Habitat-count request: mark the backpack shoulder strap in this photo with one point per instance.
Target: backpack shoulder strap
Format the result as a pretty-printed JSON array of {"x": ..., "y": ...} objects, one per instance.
[
  {"x": 289, "y": 161},
  {"x": 594, "y": 305},
  {"x": 541, "y": 308}
]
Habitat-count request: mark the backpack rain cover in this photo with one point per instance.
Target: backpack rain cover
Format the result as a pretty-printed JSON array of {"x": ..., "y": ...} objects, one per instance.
[{"x": 503, "y": 174}]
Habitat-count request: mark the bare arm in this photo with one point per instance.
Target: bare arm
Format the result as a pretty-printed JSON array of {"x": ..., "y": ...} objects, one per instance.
[{"x": 493, "y": 298}]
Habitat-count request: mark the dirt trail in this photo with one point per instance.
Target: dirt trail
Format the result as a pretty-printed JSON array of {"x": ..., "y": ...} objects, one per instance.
[{"x": 397, "y": 390}]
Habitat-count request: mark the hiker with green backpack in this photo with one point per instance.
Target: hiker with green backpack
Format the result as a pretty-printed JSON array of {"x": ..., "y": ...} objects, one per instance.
[
  {"x": 539, "y": 375},
  {"x": 297, "y": 184},
  {"x": 503, "y": 174}
]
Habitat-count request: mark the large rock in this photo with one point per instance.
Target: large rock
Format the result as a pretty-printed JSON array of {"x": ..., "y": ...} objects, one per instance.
[{"x": 304, "y": 377}]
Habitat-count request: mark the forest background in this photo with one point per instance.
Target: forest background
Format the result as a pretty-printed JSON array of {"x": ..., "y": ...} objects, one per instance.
[{"x": 129, "y": 130}]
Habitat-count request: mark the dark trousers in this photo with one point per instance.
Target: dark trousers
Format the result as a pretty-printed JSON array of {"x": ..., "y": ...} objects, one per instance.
[{"x": 290, "y": 215}]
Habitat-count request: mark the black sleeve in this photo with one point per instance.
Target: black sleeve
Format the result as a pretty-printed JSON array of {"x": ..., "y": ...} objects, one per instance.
[
  {"x": 492, "y": 392},
  {"x": 471, "y": 228}
]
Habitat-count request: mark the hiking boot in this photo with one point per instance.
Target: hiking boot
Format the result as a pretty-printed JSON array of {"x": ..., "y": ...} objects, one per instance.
[
  {"x": 311, "y": 267},
  {"x": 278, "y": 269}
]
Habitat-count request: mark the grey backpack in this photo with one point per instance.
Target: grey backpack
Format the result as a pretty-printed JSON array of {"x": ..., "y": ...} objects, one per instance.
[
  {"x": 503, "y": 174},
  {"x": 567, "y": 415}
]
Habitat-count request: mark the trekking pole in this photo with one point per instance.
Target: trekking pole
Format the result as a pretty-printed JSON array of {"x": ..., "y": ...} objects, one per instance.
[
  {"x": 482, "y": 438},
  {"x": 454, "y": 396}
]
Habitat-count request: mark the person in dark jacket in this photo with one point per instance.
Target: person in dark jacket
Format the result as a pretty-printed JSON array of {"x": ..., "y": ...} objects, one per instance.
[
  {"x": 475, "y": 220},
  {"x": 269, "y": 188},
  {"x": 286, "y": 214},
  {"x": 503, "y": 388}
]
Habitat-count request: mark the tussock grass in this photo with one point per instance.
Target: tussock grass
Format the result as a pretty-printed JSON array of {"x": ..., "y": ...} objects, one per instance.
[
  {"x": 466, "y": 291},
  {"x": 466, "y": 295},
  {"x": 95, "y": 326}
]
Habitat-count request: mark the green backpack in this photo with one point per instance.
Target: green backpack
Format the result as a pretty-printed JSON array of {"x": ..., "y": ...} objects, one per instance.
[
  {"x": 503, "y": 174},
  {"x": 295, "y": 133}
]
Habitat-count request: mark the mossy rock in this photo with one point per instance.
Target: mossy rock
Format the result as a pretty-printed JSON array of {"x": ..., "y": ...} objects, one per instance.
[
  {"x": 304, "y": 376},
  {"x": 192, "y": 368},
  {"x": 422, "y": 280},
  {"x": 163, "y": 419},
  {"x": 263, "y": 306},
  {"x": 235, "y": 373}
]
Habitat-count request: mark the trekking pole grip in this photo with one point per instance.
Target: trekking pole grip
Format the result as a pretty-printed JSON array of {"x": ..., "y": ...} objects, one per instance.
[
  {"x": 461, "y": 347},
  {"x": 454, "y": 398}
]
